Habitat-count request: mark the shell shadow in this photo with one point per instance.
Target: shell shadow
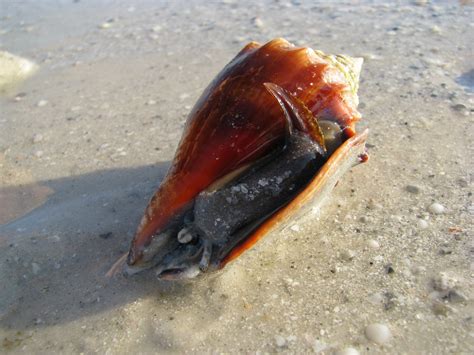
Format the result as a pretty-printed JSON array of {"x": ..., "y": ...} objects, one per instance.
[{"x": 54, "y": 259}]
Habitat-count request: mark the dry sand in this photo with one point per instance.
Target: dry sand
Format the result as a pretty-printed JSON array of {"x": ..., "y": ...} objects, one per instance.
[{"x": 90, "y": 136}]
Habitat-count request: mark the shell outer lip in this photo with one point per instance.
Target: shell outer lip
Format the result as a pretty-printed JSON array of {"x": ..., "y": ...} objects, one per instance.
[{"x": 352, "y": 152}]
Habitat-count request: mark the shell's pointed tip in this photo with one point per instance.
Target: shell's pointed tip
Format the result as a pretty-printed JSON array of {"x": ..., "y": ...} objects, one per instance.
[{"x": 117, "y": 266}]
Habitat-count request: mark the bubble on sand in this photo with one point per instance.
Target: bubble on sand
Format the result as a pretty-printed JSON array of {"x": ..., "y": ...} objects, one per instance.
[{"x": 37, "y": 138}]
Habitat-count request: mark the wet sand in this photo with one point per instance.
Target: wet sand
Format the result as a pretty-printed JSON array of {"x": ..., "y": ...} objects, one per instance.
[{"x": 85, "y": 141}]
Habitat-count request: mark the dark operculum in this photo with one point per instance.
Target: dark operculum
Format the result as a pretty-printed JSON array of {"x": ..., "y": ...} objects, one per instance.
[{"x": 226, "y": 213}]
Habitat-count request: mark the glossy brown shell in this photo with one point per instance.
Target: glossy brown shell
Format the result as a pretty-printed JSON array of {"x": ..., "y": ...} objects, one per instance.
[{"x": 237, "y": 121}]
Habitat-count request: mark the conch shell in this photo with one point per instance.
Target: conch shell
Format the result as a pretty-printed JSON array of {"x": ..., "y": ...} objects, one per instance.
[{"x": 274, "y": 108}]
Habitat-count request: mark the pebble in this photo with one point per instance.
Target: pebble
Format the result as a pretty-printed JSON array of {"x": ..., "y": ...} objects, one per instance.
[
  {"x": 390, "y": 301},
  {"x": 295, "y": 228},
  {"x": 444, "y": 282},
  {"x": 440, "y": 309},
  {"x": 151, "y": 102},
  {"x": 257, "y": 21},
  {"x": 105, "y": 25},
  {"x": 319, "y": 346},
  {"x": 376, "y": 298},
  {"x": 239, "y": 39},
  {"x": 389, "y": 269},
  {"x": 55, "y": 238},
  {"x": 183, "y": 96},
  {"x": 445, "y": 251},
  {"x": 156, "y": 28},
  {"x": 412, "y": 189},
  {"x": 347, "y": 351},
  {"x": 459, "y": 108},
  {"x": 462, "y": 182},
  {"x": 38, "y": 153},
  {"x": 20, "y": 96},
  {"x": 370, "y": 56},
  {"x": 378, "y": 333},
  {"x": 106, "y": 235},
  {"x": 417, "y": 269},
  {"x": 42, "y": 103},
  {"x": 422, "y": 224},
  {"x": 378, "y": 258},
  {"x": 280, "y": 341},
  {"x": 436, "y": 208},
  {"x": 373, "y": 244},
  {"x": 421, "y": 2},
  {"x": 436, "y": 29},
  {"x": 348, "y": 255},
  {"x": 36, "y": 268},
  {"x": 455, "y": 296},
  {"x": 37, "y": 138}
]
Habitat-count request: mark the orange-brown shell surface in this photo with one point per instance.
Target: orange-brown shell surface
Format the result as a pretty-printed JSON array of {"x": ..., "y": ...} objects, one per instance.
[{"x": 237, "y": 121}]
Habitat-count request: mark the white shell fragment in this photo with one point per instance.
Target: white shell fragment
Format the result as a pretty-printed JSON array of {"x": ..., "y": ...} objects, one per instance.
[
  {"x": 184, "y": 236},
  {"x": 378, "y": 333},
  {"x": 436, "y": 208},
  {"x": 348, "y": 351}
]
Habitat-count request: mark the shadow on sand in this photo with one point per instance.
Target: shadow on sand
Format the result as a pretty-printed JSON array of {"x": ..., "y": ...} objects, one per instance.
[{"x": 53, "y": 260}]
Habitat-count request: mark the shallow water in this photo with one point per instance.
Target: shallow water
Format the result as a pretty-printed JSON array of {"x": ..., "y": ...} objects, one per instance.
[{"x": 116, "y": 82}]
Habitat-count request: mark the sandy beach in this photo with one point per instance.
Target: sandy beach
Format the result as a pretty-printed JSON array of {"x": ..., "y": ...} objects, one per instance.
[{"x": 386, "y": 267}]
